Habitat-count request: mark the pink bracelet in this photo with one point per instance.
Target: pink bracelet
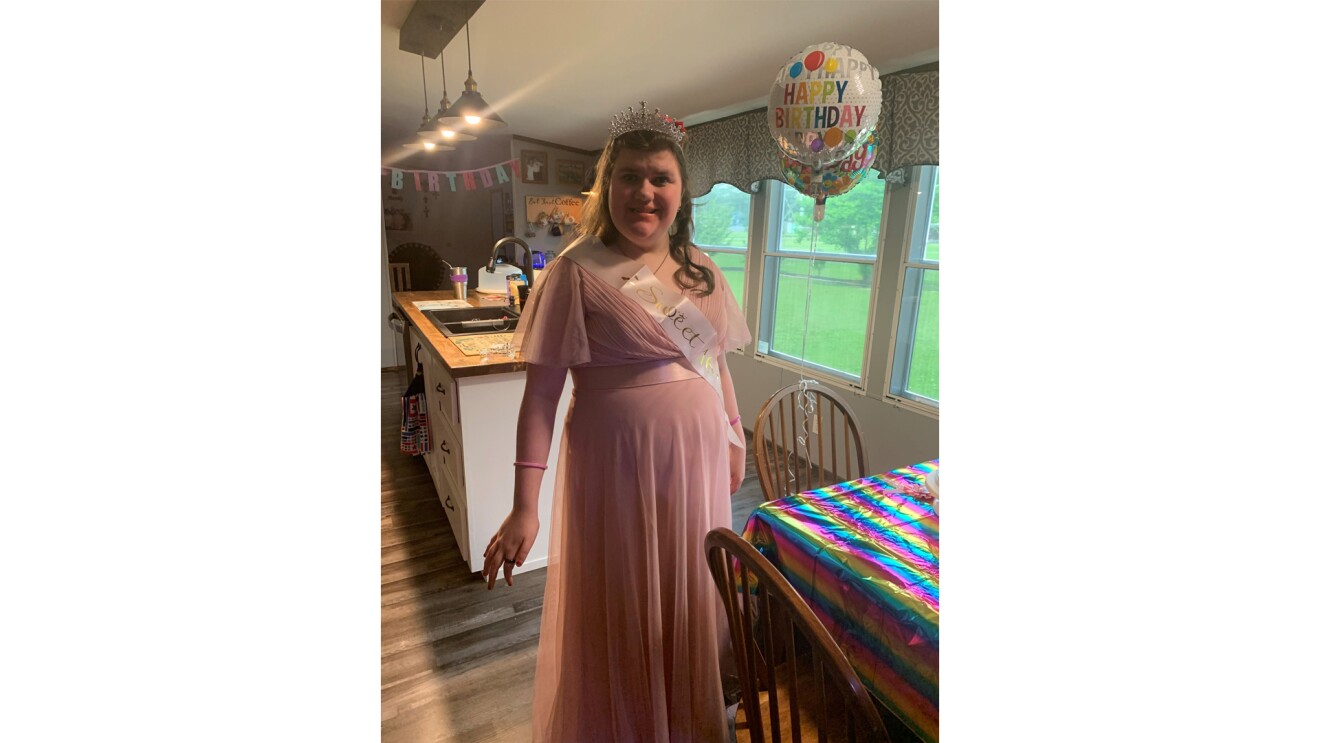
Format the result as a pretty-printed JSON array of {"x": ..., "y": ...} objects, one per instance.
[
  {"x": 529, "y": 464},
  {"x": 735, "y": 420}
]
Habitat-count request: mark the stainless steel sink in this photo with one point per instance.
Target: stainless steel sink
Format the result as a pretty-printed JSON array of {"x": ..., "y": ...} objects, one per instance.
[{"x": 473, "y": 320}]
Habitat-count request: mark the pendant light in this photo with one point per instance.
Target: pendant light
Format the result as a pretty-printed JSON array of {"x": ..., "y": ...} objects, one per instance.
[
  {"x": 426, "y": 132},
  {"x": 471, "y": 111},
  {"x": 445, "y": 132}
]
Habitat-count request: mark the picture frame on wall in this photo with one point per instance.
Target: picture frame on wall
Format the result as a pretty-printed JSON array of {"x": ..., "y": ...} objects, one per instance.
[
  {"x": 535, "y": 166},
  {"x": 397, "y": 216},
  {"x": 569, "y": 172}
]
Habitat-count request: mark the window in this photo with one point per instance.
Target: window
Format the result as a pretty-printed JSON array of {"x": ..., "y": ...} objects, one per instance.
[
  {"x": 914, "y": 373},
  {"x": 719, "y": 222},
  {"x": 833, "y": 304}
]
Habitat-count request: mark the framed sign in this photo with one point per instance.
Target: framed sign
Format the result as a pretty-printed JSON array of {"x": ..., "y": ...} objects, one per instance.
[
  {"x": 554, "y": 206},
  {"x": 569, "y": 172},
  {"x": 535, "y": 166}
]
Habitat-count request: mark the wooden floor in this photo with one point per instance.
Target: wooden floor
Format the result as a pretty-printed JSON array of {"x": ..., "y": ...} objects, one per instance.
[{"x": 456, "y": 660}]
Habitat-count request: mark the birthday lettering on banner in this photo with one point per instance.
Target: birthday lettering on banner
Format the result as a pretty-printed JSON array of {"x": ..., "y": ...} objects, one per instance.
[{"x": 431, "y": 180}]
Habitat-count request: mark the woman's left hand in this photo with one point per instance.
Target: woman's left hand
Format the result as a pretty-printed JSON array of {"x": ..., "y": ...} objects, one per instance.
[{"x": 510, "y": 545}]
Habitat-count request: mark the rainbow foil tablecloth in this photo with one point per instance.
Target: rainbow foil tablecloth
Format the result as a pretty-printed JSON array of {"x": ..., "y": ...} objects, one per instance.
[{"x": 865, "y": 555}]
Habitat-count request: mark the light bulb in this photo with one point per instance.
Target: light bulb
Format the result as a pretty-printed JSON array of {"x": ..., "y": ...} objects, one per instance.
[
  {"x": 447, "y": 133},
  {"x": 429, "y": 145},
  {"x": 472, "y": 119}
]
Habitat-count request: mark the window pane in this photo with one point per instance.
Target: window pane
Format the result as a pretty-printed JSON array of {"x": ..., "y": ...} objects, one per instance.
[
  {"x": 851, "y": 225},
  {"x": 720, "y": 218},
  {"x": 734, "y": 268},
  {"x": 918, "y": 341},
  {"x": 840, "y": 299},
  {"x": 719, "y": 225},
  {"x": 915, "y": 374}
]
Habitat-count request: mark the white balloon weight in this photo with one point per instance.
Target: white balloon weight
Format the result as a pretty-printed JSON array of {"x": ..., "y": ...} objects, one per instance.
[{"x": 824, "y": 104}]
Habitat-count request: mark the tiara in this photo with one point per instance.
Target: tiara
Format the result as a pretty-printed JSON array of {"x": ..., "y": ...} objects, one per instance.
[{"x": 653, "y": 120}]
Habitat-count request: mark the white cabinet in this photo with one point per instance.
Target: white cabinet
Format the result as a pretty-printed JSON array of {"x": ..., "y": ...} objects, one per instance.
[{"x": 474, "y": 423}]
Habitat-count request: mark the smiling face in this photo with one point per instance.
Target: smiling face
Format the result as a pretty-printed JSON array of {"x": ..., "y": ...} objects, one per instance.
[{"x": 645, "y": 192}]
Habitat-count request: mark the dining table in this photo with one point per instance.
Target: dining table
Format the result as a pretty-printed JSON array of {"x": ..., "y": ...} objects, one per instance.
[{"x": 865, "y": 556}]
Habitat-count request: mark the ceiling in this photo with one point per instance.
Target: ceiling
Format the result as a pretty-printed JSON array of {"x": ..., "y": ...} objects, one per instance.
[{"x": 557, "y": 70}]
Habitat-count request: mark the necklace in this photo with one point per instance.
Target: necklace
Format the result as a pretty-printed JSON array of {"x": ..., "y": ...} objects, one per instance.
[{"x": 654, "y": 271}]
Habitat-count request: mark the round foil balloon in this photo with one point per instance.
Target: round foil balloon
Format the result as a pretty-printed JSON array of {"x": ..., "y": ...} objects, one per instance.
[
  {"x": 824, "y": 104},
  {"x": 835, "y": 179}
]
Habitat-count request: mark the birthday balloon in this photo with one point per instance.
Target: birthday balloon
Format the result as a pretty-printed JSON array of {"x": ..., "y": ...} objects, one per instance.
[
  {"x": 835, "y": 179},
  {"x": 824, "y": 104}
]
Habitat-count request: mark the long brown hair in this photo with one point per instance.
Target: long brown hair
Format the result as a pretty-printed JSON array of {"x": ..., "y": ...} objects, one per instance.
[{"x": 596, "y": 212}]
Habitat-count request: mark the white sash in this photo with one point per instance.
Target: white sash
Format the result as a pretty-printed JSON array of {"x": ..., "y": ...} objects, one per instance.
[{"x": 678, "y": 317}]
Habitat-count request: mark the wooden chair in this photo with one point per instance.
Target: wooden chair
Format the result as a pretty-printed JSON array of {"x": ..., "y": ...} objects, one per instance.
[
  {"x": 796, "y": 683},
  {"x": 400, "y": 277},
  {"x": 799, "y": 449}
]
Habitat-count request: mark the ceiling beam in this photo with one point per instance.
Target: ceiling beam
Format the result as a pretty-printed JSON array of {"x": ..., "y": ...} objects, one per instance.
[{"x": 432, "y": 24}]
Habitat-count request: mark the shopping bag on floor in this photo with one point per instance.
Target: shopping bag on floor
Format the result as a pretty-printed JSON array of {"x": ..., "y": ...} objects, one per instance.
[{"x": 415, "y": 434}]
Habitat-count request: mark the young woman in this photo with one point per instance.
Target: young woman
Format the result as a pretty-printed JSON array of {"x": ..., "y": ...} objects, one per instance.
[{"x": 632, "y": 629}]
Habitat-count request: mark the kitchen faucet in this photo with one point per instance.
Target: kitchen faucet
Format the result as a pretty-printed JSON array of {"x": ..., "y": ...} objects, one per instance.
[{"x": 526, "y": 269}]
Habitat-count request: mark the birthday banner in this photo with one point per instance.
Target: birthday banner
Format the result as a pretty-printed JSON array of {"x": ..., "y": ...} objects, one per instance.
[{"x": 430, "y": 180}]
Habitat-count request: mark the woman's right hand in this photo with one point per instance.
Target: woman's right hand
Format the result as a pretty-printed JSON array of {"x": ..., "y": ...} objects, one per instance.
[{"x": 509, "y": 546}]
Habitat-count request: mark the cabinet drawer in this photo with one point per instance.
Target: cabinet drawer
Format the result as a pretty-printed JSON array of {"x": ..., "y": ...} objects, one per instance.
[
  {"x": 455, "y": 505},
  {"x": 441, "y": 385},
  {"x": 447, "y": 448},
  {"x": 436, "y": 425}
]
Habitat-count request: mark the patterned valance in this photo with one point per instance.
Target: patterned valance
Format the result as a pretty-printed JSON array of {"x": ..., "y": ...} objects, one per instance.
[
  {"x": 909, "y": 126},
  {"x": 739, "y": 151}
]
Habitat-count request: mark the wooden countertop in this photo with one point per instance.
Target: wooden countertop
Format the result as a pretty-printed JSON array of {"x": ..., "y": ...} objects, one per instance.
[{"x": 458, "y": 363}]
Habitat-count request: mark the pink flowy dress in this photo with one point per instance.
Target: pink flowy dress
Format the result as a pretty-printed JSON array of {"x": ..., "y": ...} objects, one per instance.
[{"x": 632, "y": 628}]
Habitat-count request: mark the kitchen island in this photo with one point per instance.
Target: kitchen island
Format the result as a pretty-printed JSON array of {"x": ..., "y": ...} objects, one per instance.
[{"x": 473, "y": 393}]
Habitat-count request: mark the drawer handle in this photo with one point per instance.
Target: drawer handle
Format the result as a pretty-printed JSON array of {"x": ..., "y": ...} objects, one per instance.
[
  {"x": 440, "y": 387},
  {"x": 449, "y": 503},
  {"x": 444, "y": 447}
]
